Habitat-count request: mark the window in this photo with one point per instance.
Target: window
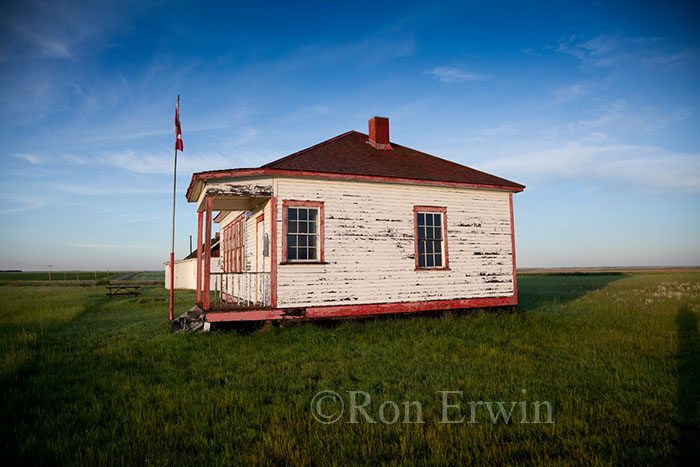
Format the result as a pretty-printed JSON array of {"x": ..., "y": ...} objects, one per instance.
[
  {"x": 303, "y": 231},
  {"x": 430, "y": 237},
  {"x": 238, "y": 254},
  {"x": 234, "y": 245},
  {"x": 226, "y": 247}
]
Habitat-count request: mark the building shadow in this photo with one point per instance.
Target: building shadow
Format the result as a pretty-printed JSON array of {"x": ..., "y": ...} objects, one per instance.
[
  {"x": 537, "y": 290},
  {"x": 688, "y": 386}
]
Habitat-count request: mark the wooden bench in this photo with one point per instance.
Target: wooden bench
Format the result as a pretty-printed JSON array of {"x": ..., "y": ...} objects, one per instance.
[{"x": 123, "y": 290}]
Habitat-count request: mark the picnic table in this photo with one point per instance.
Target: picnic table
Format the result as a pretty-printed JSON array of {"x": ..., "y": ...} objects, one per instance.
[{"x": 122, "y": 290}]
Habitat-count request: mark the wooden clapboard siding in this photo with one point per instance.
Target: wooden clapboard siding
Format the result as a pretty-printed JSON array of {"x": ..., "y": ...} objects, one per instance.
[{"x": 369, "y": 244}]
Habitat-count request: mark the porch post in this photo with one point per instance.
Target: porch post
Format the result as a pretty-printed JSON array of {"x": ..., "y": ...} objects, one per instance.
[
  {"x": 273, "y": 253},
  {"x": 207, "y": 254},
  {"x": 200, "y": 224}
]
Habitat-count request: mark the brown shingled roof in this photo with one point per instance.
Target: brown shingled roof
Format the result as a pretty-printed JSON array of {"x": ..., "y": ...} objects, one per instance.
[{"x": 350, "y": 154}]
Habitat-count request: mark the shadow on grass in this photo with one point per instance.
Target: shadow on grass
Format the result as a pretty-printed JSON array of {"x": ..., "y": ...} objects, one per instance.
[
  {"x": 537, "y": 290},
  {"x": 688, "y": 386}
]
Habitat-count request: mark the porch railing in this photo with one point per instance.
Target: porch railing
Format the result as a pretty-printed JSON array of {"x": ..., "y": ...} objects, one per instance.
[{"x": 243, "y": 288}]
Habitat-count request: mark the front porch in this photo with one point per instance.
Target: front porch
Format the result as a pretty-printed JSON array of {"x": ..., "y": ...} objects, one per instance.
[{"x": 245, "y": 289}]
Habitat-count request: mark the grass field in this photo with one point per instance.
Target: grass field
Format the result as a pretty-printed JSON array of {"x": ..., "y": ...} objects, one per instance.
[
  {"x": 56, "y": 276},
  {"x": 90, "y": 380}
]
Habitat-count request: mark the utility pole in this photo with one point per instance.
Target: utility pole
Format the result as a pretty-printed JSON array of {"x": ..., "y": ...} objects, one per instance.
[
  {"x": 50, "y": 266},
  {"x": 190, "y": 244}
]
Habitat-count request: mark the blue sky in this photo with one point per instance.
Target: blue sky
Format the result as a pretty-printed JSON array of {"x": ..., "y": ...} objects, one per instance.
[{"x": 595, "y": 106}]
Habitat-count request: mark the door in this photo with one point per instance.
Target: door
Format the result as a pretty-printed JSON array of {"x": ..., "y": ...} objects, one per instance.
[{"x": 260, "y": 260}]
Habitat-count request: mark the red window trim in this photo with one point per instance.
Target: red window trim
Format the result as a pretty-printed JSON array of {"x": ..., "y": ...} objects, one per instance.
[
  {"x": 443, "y": 211},
  {"x": 321, "y": 242}
]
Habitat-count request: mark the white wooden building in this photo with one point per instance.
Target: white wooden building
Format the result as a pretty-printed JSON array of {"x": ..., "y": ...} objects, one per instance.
[
  {"x": 186, "y": 269},
  {"x": 357, "y": 225}
]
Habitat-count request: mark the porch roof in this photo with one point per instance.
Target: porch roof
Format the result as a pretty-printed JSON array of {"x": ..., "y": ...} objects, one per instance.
[{"x": 233, "y": 197}]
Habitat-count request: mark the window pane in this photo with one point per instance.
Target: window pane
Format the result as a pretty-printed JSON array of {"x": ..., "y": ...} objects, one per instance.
[
  {"x": 312, "y": 226},
  {"x": 438, "y": 247},
  {"x": 291, "y": 240},
  {"x": 291, "y": 253},
  {"x": 302, "y": 240},
  {"x": 303, "y": 227},
  {"x": 313, "y": 214},
  {"x": 302, "y": 253},
  {"x": 429, "y": 233},
  {"x": 421, "y": 233},
  {"x": 421, "y": 219},
  {"x": 312, "y": 253},
  {"x": 429, "y": 261},
  {"x": 312, "y": 240},
  {"x": 292, "y": 214},
  {"x": 421, "y": 261},
  {"x": 421, "y": 247},
  {"x": 428, "y": 247},
  {"x": 438, "y": 260},
  {"x": 292, "y": 227},
  {"x": 303, "y": 214}
]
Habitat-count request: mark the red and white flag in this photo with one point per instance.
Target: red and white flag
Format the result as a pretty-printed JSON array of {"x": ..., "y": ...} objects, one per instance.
[{"x": 178, "y": 131}]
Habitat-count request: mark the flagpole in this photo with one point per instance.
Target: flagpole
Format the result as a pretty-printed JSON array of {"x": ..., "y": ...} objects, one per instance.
[{"x": 172, "y": 239}]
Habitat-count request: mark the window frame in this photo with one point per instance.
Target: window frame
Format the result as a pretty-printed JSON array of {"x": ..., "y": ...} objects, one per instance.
[
  {"x": 225, "y": 245},
  {"x": 320, "y": 231},
  {"x": 234, "y": 245},
  {"x": 445, "y": 257}
]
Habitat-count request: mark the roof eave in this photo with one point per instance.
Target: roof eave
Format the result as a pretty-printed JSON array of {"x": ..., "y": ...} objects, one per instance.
[{"x": 200, "y": 178}]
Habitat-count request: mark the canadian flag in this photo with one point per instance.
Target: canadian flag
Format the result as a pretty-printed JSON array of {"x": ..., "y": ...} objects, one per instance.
[{"x": 178, "y": 131}]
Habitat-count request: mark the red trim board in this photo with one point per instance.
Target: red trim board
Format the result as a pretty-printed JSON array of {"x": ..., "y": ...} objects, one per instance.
[{"x": 340, "y": 311}]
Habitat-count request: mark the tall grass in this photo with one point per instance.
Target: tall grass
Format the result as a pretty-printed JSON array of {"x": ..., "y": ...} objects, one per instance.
[{"x": 90, "y": 379}]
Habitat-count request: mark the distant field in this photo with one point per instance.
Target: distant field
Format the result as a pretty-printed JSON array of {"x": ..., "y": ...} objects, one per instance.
[
  {"x": 86, "y": 380},
  {"x": 614, "y": 270},
  {"x": 81, "y": 276},
  {"x": 55, "y": 275}
]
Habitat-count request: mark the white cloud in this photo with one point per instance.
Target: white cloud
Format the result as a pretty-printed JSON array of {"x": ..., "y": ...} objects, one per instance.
[
  {"x": 595, "y": 159},
  {"x": 31, "y": 158},
  {"x": 56, "y": 29},
  {"x": 612, "y": 50},
  {"x": 110, "y": 246},
  {"x": 567, "y": 94},
  {"x": 668, "y": 120},
  {"x": 448, "y": 74},
  {"x": 149, "y": 163},
  {"x": 93, "y": 190},
  {"x": 11, "y": 203}
]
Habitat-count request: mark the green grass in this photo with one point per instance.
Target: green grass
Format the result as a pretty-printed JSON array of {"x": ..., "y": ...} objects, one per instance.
[
  {"x": 149, "y": 276},
  {"x": 86, "y": 379}
]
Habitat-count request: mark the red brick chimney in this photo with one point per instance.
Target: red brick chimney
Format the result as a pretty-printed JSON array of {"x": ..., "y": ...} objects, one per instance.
[{"x": 379, "y": 133}]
